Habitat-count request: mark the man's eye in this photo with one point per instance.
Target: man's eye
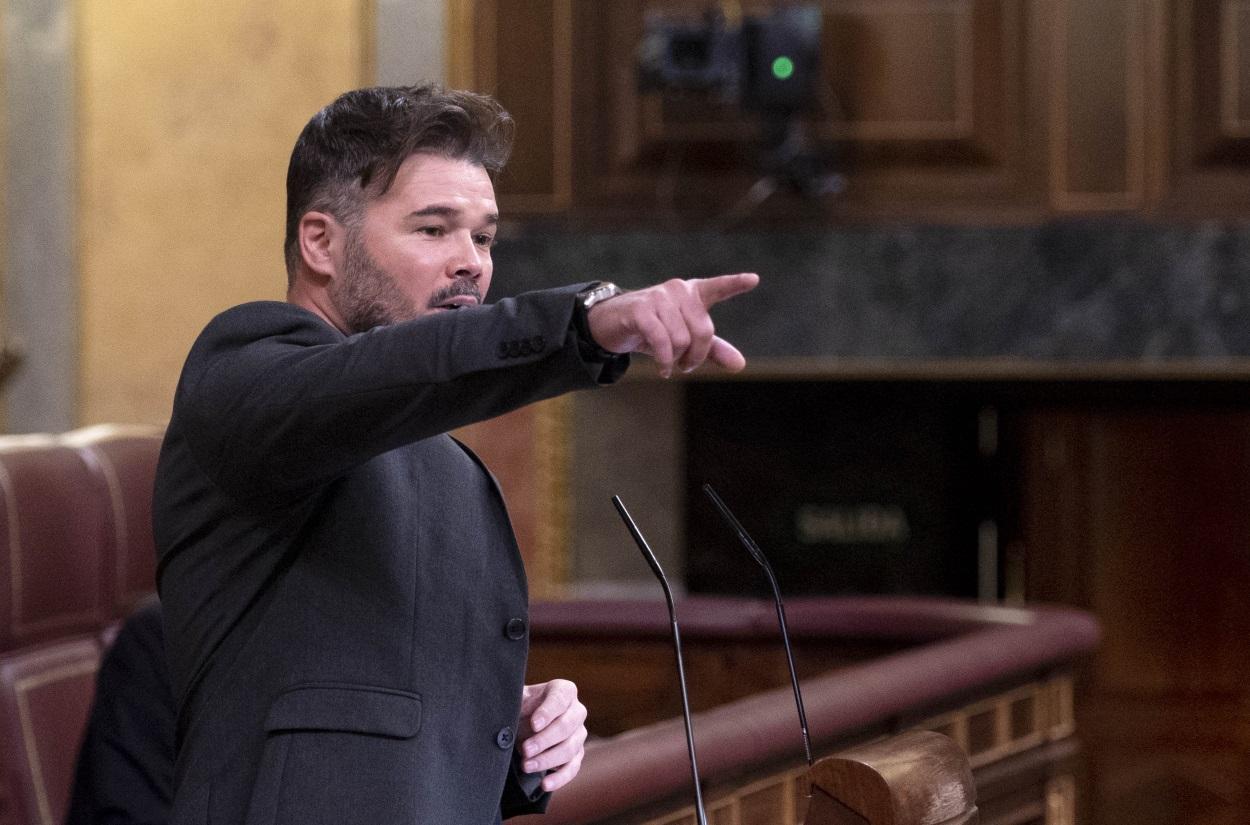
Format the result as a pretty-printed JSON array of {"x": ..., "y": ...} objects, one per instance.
[
  {"x": 485, "y": 240},
  {"x": 432, "y": 231}
]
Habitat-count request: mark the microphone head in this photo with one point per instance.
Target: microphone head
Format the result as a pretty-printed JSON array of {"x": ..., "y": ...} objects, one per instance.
[
  {"x": 643, "y": 547},
  {"x": 736, "y": 526}
]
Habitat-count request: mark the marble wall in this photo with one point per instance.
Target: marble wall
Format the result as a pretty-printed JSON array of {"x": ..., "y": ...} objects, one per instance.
[{"x": 1077, "y": 290}]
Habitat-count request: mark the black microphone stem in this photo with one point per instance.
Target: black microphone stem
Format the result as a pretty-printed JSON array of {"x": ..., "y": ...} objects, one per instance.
[
  {"x": 762, "y": 561},
  {"x": 654, "y": 564}
]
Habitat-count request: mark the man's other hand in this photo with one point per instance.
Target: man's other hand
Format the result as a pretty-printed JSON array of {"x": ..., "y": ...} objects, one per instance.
[
  {"x": 670, "y": 322},
  {"x": 553, "y": 731}
]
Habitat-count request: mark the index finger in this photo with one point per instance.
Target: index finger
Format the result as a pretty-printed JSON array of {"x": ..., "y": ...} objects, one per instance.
[{"x": 714, "y": 290}]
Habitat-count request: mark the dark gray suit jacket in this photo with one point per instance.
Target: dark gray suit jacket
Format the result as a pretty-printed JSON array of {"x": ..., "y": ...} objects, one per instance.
[{"x": 344, "y": 601}]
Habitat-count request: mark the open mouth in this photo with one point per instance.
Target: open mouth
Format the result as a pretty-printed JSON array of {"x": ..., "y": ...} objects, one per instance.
[{"x": 457, "y": 302}]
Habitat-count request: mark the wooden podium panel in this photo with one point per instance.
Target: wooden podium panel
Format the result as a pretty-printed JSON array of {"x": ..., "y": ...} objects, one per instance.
[{"x": 994, "y": 680}]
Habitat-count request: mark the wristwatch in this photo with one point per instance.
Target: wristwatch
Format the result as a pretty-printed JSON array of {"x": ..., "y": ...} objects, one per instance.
[{"x": 596, "y": 293}]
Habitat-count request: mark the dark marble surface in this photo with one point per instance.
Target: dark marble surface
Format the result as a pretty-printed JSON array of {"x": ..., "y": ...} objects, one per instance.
[{"x": 1079, "y": 290}]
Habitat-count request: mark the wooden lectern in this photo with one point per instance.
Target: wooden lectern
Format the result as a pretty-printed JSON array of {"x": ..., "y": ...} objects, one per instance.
[{"x": 915, "y": 778}]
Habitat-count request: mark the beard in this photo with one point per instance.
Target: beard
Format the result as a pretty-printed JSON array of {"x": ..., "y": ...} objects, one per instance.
[{"x": 366, "y": 297}]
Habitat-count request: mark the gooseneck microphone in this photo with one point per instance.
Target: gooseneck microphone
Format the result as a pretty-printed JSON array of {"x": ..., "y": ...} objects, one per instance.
[
  {"x": 758, "y": 555},
  {"x": 654, "y": 564}
]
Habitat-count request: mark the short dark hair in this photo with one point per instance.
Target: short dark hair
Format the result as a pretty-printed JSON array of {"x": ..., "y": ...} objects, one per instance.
[{"x": 352, "y": 149}]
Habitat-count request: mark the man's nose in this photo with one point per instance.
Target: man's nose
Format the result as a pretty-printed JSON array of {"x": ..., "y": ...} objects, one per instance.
[{"x": 466, "y": 260}]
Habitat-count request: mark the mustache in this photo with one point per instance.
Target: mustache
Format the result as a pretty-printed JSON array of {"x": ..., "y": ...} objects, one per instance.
[{"x": 461, "y": 287}]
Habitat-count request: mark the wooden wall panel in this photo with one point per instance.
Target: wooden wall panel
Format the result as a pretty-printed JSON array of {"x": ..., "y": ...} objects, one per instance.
[
  {"x": 1140, "y": 517},
  {"x": 1206, "y": 162},
  {"x": 1097, "y": 105},
  {"x": 923, "y": 100},
  {"x": 520, "y": 52},
  {"x": 923, "y": 105},
  {"x": 903, "y": 70},
  {"x": 948, "y": 108}
]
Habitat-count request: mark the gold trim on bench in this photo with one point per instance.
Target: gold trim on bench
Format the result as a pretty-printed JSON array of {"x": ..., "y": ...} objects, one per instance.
[{"x": 21, "y": 688}]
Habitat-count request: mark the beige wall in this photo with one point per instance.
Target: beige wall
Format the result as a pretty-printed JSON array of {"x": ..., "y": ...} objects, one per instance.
[{"x": 186, "y": 115}]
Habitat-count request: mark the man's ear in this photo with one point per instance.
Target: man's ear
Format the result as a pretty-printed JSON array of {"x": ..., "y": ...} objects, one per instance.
[{"x": 321, "y": 239}]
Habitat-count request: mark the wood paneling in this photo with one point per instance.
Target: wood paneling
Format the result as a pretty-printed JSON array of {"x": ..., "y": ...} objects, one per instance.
[
  {"x": 1097, "y": 106},
  {"x": 922, "y": 102},
  {"x": 971, "y": 109},
  {"x": 520, "y": 51},
  {"x": 1206, "y": 159},
  {"x": 1140, "y": 516}
]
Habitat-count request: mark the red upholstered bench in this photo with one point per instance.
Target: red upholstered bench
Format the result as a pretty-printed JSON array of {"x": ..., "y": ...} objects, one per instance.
[
  {"x": 45, "y": 695},
  {"x": 76, "y": 555}
]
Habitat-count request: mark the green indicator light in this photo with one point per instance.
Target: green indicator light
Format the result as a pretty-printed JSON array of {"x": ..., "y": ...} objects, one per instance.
[{"x": 783, "y": 68}]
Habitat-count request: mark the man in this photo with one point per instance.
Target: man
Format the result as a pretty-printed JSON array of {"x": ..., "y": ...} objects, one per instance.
[{"x": 344, "y": 601}]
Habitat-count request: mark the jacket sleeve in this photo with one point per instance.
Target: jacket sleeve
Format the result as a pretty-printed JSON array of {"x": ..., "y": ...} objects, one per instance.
[
  {"x": 274, "y": 400},
  {"x": 522, "y": 792}
]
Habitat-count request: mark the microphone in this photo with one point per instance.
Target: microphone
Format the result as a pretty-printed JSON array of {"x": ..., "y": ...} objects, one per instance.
[
  {"x": 758, "y": 555},
  {"x": 654, "y": 564}
]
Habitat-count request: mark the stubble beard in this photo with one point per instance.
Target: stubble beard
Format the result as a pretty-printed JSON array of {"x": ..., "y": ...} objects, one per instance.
[{"x": 366, "y": 297}]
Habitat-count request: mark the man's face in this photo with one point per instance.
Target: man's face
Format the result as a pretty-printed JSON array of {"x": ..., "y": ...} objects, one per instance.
[{"x": 422, "y": 247}]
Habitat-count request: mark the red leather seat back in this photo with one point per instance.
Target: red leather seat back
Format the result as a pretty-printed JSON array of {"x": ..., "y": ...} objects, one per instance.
[
  {"x": 76, "y": 554},
  {"x": 125, "y": 457},
  {"x": 55, "y": 542},
  {"x": 76, "y": 549},
  {"x": 45, "y": 698}
]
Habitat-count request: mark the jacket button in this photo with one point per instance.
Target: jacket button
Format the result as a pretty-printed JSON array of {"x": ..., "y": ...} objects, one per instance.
[
  {"x": 515, "y": 629},
  {"x": 504, "y": 738}
]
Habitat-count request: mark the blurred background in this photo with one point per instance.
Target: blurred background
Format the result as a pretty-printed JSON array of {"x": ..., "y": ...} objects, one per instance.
[{"x": 999, "y": 352}]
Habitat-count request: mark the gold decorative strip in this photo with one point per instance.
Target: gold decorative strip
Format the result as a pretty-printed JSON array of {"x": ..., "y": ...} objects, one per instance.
[
  {"x": 368, "y": 43},
  {"x": 551, "y": 470},
  {"x": 1061, "y": 801},
  {"x": 460, "y": 55}
]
